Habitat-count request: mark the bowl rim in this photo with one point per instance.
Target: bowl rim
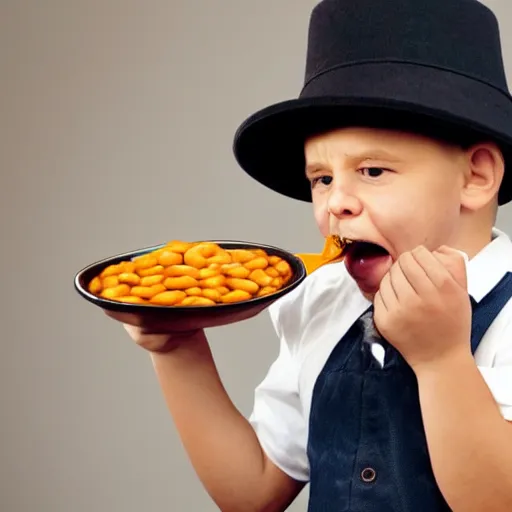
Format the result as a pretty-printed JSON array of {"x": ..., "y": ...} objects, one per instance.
[{"x": 149, "y": 308}]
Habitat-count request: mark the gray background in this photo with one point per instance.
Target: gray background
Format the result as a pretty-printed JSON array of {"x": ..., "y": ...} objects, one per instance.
[{"x": 116, "y": 125}]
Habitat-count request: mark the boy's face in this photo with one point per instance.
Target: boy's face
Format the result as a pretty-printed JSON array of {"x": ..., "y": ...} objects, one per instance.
[{"x": 394, "y": 190}]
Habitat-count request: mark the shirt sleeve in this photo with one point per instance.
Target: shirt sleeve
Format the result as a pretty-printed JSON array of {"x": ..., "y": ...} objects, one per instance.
[
  {"x": 277, "y": 416},
  {"x": 499, "y": 379}
]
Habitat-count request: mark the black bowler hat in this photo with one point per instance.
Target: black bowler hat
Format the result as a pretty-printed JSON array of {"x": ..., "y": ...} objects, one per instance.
[{"x": 429, "y": 66}]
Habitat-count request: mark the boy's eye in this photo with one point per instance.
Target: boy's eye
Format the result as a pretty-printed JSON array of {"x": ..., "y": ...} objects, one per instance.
[
  {"x": 324, "y": 180},
  {"x": 372, "y": 172}
]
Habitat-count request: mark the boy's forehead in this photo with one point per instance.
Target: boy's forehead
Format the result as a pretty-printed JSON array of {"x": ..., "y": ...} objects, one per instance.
[
  {"x": 357, "y": 139},
  {"x": 373, "y": 143},
  {"x": 362, "y": 135}
]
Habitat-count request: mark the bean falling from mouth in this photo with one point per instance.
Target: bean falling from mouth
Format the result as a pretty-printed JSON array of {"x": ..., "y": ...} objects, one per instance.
[{"x": 333, "y": 252}]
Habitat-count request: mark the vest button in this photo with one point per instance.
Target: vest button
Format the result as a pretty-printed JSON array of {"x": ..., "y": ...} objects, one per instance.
[{"x": 368, "y": 475}]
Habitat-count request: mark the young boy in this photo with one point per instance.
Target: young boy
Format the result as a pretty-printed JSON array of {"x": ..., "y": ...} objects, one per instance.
[{"x": 392, "y": 390}]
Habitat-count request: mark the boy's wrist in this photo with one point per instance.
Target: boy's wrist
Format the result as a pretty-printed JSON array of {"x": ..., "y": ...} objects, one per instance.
[
  {"x": 178, "y": 340},
  {"x": 453, "y": 361}
]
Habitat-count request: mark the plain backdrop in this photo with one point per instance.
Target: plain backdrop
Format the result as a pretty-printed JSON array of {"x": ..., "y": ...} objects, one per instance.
[{"x": 116, "y": 127}]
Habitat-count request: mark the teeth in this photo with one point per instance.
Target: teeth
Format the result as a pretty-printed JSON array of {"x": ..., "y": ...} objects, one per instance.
[
  {"x": 338, "y": 240},
  {"x": 342, "y": 241}
]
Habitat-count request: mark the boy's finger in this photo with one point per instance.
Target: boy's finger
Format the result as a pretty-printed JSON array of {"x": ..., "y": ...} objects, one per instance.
[
  {"x": 402, "y": 284},
  {"x": 387, "y": 293},
  {"x": 433, "y": 267},
  {"x": 415, "y": 274},
  {"x": 455, "y": 262}
]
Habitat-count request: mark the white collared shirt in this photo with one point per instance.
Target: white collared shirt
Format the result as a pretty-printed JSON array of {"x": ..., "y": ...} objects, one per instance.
[{"x": 311, "y": 320}]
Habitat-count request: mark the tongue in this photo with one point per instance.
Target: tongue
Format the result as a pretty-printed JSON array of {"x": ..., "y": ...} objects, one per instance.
[{"x": 363, "y": 257}]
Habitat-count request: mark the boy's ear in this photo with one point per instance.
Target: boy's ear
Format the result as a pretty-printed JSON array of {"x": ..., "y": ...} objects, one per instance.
[{"x": 485, "y": 167}]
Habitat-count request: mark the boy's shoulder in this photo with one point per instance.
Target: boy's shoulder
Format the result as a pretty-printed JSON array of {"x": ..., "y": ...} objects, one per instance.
[{"x": 490, "y": 265}]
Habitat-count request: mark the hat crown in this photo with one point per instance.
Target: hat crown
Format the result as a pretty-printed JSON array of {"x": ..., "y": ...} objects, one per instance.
[{"x": 458, "y": 35}]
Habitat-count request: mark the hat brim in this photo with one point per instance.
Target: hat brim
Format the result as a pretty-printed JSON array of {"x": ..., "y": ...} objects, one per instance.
[{"x": 269, "y": 145}]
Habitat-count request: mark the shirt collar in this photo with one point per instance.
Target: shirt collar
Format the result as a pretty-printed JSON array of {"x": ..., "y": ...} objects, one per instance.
[{"x": 487, "y": 268}]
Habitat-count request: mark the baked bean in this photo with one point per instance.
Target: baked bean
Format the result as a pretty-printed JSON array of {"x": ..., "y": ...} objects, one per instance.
[
  {"x": 110, "y": 281},
  {"x": 242, "y": 255},
  {"x": 168, "y": 298},
  {"x": 129, "y": 278},
  {"x": 147, "y": 292},
  {"x": 260, "y": 277},
  {"x": 222, "y": 258},
  {"x": 242, "y": 284},
  {"x": 212, "y": 294},
  {"x": 151, "y": 280},
  {"x": 181, "y": 270},
  {"x": 283, "y": 267},
  {"x": 145, "y": 261},
  {"x": 235, "y": 270},
  {"x": 179, "y": 246},
  {"x": 235, "y": 296},
  {"x": 272, "y": 272},
  {"x": 131, "y": 299},
  {"x": 213, "y": 282},
  {"x": 180, "y": 283},
  {"x": 274, "y": 260},
  {"x": 95, "y": 286},
  {"x": 127, "y": 266},
  {"x": 151, "y": 271},
  {"x": 277, "y": 282},
  {"x": 167, "y": 258},
  {"x": 257, "y": 263},
  {"x": 195, "y": 291},
  {"x": 267, "y": 290},
  {"x": 117, "y": 291},
  {"x": 197, "y": 301},
  {"x": 206, "y": 273},
  {"x": 111, "y": 270}
]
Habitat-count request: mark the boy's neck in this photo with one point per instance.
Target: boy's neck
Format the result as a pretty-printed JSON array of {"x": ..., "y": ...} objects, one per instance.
[{"x": 474, "y": 235}]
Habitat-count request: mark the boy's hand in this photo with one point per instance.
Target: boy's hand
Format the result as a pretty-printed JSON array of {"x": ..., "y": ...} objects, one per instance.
[
  {"x": 423, "y": 307},
  {"x": 160, "y": 343},
  {"x": 159, "y": 334}
]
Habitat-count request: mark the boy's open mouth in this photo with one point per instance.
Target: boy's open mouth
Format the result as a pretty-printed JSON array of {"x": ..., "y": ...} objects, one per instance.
[
  {"x": 363, "y": 259},
  {"x": 360, "y": 249}
]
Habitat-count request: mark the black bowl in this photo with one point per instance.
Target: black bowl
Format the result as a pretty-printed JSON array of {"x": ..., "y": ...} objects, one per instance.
[{"x": 187, "y": 317}]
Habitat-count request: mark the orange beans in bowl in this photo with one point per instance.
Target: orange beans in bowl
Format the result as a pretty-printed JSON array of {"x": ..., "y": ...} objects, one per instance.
[{"x": 190, "y": 274}]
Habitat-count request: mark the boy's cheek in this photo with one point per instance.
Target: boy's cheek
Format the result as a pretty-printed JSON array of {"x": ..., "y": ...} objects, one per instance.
[{"x": 322, "y": 219}]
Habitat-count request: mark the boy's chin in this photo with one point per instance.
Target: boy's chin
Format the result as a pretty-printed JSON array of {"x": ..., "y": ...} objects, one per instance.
[{"x": 368, "y": 294}]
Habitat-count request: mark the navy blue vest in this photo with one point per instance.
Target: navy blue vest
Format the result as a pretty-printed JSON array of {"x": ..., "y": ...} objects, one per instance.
[{"x": 367, "y": 448}]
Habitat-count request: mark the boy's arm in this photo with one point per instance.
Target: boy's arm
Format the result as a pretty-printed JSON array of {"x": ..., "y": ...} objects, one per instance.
[
  {"x": 424, "y": 310},
  {"x": 470, "y": 443},
  {"x": 220, "y": 442}
]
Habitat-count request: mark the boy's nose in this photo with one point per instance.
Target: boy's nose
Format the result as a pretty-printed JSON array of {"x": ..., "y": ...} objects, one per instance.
[{"x": 342, "y": 203}]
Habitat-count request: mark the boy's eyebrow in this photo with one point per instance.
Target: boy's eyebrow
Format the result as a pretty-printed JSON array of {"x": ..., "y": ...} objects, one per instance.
[
  {"x": 312, "y": 168},
  {"x": 373, "y": 154}
]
